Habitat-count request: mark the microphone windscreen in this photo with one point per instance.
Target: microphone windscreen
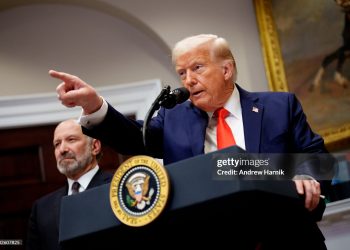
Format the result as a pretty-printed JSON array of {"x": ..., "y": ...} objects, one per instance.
[{"x": 181, "y": 94}]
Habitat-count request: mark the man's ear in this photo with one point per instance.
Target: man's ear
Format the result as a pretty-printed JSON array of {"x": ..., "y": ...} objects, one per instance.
[
  {"x": 96, "y": 147},
  {"x": 228, "y": 68}
]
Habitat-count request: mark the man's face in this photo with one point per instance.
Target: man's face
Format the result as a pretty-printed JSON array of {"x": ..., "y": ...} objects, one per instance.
[
  {"x": 73, "y": 151},
  {"x": 209, "y": 82}
]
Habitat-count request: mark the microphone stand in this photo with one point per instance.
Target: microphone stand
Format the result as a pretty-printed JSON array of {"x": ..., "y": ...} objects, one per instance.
[{"x": 154, "y": 107}]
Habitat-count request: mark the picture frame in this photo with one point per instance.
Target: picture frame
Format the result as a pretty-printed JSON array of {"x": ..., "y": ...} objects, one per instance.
[{"x": 292, "y": 61}]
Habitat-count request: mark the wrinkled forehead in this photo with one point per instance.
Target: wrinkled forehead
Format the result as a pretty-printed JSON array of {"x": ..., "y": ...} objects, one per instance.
[{"x": 67, "y": 128}]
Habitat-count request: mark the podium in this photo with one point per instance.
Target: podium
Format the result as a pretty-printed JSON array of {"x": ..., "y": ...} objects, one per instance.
[{"x": 200, "y": 211}]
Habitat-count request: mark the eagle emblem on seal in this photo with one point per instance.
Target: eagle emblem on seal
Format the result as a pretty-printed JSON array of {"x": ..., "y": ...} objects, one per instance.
[{"x": 138, "y": 188}]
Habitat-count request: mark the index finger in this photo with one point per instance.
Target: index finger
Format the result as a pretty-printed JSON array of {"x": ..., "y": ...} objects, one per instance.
[{"x": 61, "y": 75}]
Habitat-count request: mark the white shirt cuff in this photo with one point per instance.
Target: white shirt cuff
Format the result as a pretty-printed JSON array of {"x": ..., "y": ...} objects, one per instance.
[{"x": 91, "y": 120}]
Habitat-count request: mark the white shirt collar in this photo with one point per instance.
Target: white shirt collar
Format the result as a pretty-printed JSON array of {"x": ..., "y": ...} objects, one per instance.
[
  {"x": 84, "y": 180},
  {"x": 233, "y": 105}
]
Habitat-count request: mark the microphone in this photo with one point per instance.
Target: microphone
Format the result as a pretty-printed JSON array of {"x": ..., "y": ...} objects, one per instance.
[
  {"x": 167, "y": 99},
  {"x": 174, "y": 97}
]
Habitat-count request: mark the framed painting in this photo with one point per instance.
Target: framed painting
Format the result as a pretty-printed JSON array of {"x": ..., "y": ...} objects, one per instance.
[{"x": 305, "y": 52}]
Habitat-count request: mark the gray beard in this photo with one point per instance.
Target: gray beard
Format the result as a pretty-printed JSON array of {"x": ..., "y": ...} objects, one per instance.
[{"x": 74, "y": 166}]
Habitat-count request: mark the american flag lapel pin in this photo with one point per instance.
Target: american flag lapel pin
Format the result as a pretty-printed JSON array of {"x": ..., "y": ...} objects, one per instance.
[{"x": 255, "y": 109}]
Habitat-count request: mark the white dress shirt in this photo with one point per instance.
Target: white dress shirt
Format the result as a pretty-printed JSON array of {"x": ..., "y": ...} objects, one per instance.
[
  {"x": 84, "y": 180},
  {"x": 88, "y": 121}
]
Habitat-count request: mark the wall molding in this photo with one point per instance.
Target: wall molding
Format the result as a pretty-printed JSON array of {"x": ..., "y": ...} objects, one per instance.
[{"x": 42, "y": 109}]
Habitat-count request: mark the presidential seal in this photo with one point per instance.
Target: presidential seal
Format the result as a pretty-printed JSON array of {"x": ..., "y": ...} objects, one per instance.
[{"x": 139, "y": 191}]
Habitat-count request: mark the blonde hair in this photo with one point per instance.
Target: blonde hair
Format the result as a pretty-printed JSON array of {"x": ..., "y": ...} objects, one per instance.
[{"x": 219, "y": 45}]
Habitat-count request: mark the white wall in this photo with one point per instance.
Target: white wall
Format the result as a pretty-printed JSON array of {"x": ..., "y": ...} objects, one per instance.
[{"x": 117, "y": 41}]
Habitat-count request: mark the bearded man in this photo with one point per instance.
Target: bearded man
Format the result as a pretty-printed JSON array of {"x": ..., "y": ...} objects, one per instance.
[{"x": 77, "y": 157}]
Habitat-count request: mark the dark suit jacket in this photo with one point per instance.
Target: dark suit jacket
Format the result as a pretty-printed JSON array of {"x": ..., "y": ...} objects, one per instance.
[
  {"x": 276, "y": 125},
  {"x": 43, "y": 225},
  {"x": 274, "y": 122}
]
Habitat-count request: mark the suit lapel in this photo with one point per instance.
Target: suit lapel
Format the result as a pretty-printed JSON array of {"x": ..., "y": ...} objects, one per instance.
[
  {"x": 99, "y": 178},
  {"x": 197, "y": 123},
  {"x": 252, "y": 112}
]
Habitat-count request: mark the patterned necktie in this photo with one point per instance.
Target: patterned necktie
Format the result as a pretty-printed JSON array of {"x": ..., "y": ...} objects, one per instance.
[
  {"x": 224, "y": 134},
  {"x": 75, "y": 187}
]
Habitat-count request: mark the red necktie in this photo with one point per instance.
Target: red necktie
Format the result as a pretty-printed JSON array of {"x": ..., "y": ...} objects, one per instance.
[{"x": 224, "y": 134}]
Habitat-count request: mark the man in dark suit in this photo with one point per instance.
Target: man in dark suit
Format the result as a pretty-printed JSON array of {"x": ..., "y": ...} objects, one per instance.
[
  {"x": 260, "y": 122},
  {"x": 77, "y": 158}
]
